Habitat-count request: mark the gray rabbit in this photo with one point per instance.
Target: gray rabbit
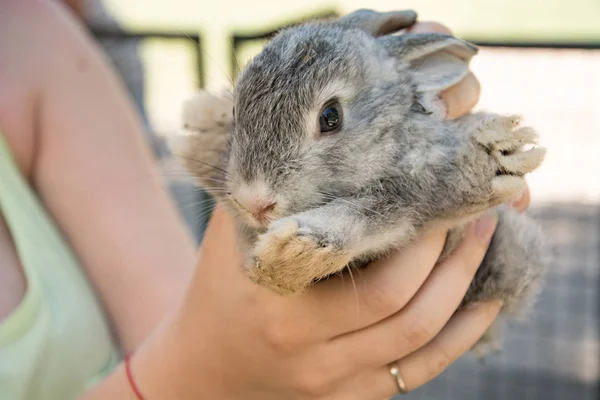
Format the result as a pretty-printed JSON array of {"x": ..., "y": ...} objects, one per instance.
[{"x": 336, "y": 152}]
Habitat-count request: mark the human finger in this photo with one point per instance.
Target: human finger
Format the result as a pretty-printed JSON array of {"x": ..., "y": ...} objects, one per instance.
[
  {"x": 343, "y": 304},
  {"x": 457, "y": 337},
  {"x": 430, "y": 309},
  {"x": 429, "y": 26},
  {"x": 462, "y": 97},
  {"x": 523, "y": 203}
]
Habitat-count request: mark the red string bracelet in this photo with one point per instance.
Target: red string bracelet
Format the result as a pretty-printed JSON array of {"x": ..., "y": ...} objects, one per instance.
[{"x": 134, "y": 387}]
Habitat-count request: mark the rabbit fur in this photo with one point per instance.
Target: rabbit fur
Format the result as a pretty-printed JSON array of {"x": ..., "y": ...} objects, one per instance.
[{"x": 394, "y": 170}]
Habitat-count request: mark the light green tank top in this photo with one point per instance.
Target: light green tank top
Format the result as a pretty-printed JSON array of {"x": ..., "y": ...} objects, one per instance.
[{"x": 56, "y": 344}]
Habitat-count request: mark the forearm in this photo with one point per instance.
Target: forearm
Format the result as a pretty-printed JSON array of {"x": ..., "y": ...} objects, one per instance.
[
  {"x": 138, "y": 253},
  {"x": 167, "y": 366},
  {"x": 150, "y": 372}
]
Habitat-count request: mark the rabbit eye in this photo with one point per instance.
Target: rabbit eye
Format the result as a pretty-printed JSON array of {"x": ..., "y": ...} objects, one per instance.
[{"x": 331, "y": 118}]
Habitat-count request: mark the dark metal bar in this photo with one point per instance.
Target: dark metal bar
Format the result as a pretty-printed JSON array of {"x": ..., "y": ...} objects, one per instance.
[
  {"x": 539, "y": 45},
  {"x": 238, "y": 39},
  {"x": 141, "y": 35}
]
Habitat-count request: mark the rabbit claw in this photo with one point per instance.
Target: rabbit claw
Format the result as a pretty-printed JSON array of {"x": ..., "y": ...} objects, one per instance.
[{"x": 504, "y": 139}]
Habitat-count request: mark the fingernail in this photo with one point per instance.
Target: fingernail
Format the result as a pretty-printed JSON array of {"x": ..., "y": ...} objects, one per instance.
[
  {"x": 493, "y": 304},
  {"x": 484, "y": 227},
  {"x": 497, "y": 303},
  {"x": 519, "y": 202},
  {"x": 520, "y": 198},
  {"x": 475, "y": 304}
]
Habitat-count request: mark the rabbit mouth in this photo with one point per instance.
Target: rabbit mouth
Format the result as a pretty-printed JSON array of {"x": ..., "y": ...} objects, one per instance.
[{"x": 260, "y": 223}]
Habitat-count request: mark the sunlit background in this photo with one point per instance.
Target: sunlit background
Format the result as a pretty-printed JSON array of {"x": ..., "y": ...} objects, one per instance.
[{"x": 538, "y": 58}]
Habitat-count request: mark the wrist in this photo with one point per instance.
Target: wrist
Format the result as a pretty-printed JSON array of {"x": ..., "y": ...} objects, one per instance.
[
  {"x": 153, "y": 368},
  {"x": 163, "y": 367},
  {"x": 131, "y": 380}
]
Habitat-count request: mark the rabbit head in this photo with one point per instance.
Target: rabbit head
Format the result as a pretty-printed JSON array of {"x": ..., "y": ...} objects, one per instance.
[{"x": 321, "y": 110}]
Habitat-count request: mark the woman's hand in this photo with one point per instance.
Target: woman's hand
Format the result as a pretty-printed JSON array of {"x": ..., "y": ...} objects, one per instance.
[{"x": 234, "y": 340}]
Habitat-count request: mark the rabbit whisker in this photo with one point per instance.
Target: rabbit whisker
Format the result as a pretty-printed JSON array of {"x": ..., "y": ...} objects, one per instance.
[{"x": 203, "y": 162}]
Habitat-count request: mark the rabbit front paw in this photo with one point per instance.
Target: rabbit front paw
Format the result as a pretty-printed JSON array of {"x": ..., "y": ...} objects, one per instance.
[
  {"x": 290, "y": 256},
  {"x": 503, "y": 139}
]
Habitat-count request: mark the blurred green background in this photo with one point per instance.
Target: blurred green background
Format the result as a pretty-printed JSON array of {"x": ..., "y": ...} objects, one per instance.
[{"x": 556, "y": 20}]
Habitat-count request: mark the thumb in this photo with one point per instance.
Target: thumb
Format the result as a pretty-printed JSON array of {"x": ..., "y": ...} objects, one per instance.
[{"x": 220, "y": 252}]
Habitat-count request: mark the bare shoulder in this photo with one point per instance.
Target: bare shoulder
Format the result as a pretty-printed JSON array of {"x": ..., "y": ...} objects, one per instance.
[{"x": 36, "y": 37}]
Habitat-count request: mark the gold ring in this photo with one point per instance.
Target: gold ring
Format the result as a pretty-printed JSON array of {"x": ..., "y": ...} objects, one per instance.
[{"x": 395, "y": 371}]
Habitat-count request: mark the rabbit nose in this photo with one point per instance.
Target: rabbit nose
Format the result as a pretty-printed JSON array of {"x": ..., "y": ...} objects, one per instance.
[
  {"x": 256, "y": 200},
  {"x": 258, "y": 208},
  {"x": 261, "y": 210}
]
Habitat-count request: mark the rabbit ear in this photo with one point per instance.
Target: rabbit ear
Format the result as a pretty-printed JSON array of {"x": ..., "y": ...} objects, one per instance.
[
  {"x": 438, "y": 60},
  {"x": 377, "y": 23}
]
